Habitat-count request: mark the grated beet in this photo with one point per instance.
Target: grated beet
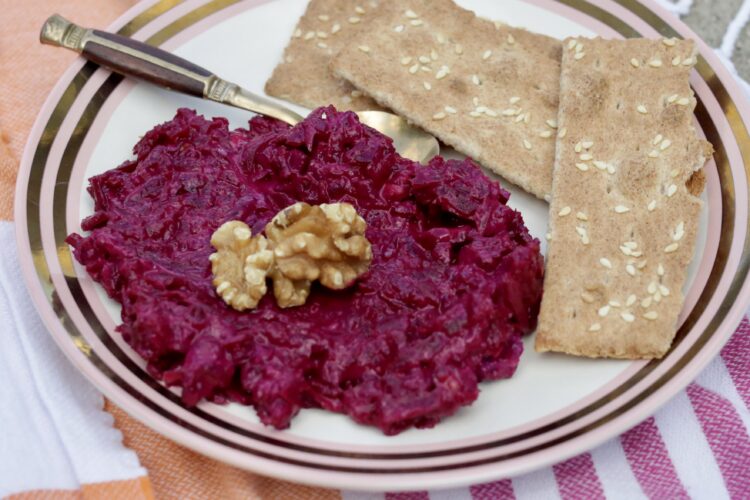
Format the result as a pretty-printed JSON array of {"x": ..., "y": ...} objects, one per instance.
[{"x": 455, "y": 282}]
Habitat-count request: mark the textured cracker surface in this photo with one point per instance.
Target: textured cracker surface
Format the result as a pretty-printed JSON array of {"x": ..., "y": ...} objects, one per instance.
[
  {"x": 599, "y": 97},
  {"x": 303, "y": 75},
  {"x": 518, "y": 83}
]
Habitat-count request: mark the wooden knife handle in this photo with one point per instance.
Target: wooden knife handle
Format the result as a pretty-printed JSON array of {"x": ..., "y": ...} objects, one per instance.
[{"x": 128, "y": 57}]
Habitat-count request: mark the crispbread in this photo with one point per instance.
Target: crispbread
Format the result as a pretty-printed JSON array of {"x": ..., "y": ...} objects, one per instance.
[
  {"x": 626, "y": 181},
  {"x": 487, "y": 89},
  {"x": 303, "y": 76}
]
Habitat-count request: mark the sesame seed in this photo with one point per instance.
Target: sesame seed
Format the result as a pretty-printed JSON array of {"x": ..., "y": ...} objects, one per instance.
[
  {"x": 335, "y": 28},
  {"x": 511, "y": 39},
  {"x": 651, "y": 206},
  {"x": 426, "y": 69},
  {"x": 440, "y": 38},
  {"x": 634, "y": 62},
  {"x": 475, "y": 113},
  {"x": 587, "y": 144},
  {"x": 672, "y": 98},
  {"x": 579, "y": 56},
  {"x": 631, "y": 300},
  {"x": 439, "y": 116},
  {"x": 416, "y": 22},
  {"x": 442, "y": 73},
  {"x": 572, "y": 43},
  {"x": 546, "y": 134},
  {"x": 552, "y": 123},
  {"x": 621, "y": 209},
  {"x": 630, "y": 269},
  {"x": 413, "y": 69},
  {"x": 475, "y": 79},
  {"x": 433, "y": 55},
  {"x": 581, "y": 231},
  {"x": 359, "y": 10},
  {"x": 653, "y": 153},
  {"x": 356, "y": 93},
  {"x": 669, "y": 42},
  {"x": 581, "y": 216},
  {"x": 579, "y": 47},
  {"x": 527, "y": 117},
  {"x": 651, "y": 315},
  {"x": 548, "y": 236},
  {"x": 526, "y": 144},
  {"x": 655, "y": 63},
  {"x": 657, "y": 297},
  {"x": 309, "y": 35},
  {"x": 514, "y": 99},
  {"x": 652, "y": 287},
  {"x": 411, "y": 14},
  {"x": 578, "y": 147},
  {"x": 595, "y": 327},
  {"x": 297, "y": 33},
  {"x": 664, "y": 290},
  {"x": 354, "y": 20},
  {"x": 671, "y": 190},
  {"x": 427, "y": 85},
  {"x": 665, "y": 144},
  {"x": 605, "y": 262},
  {"x": 671, "y": 247},
  {"x": 642, "y": 264},
  {"x": 642, "y": 109},
  {"x": 586, "y": 157},
  {"x": 405, "y": 60},
  {"x": 683, "y": 101},
  {"x": 657, "y": 139},
  {"x": 322, "y": 45},
  {"x": 323, "y": 17},
  {"x": 564, "y": 211},
  {"x": 364, "y": 48},
  {"x": 660, "y": 270},
  {"x": 676, "y": 61},
  {"x": 509, "y": 112},
  {"x": 625, "y": 315},
  {"x": 679, "y": 231},
  {"x": 424, "y": 59},
  {"x": 601, "y": 165},
  {"x": 626, "y": 250},
  {"x": 459, "y": 49},
  {"x": 486, "y": 54},
  {"x": 490, "y": 112},
  {"x": 587, "y": 297},
  {"x": 451, "y": 110},
  {"x": 398, "y": 28},
  {"x": 614, "y": 303},
  {"x": 582, "y": 167},
  {"x": 674, "y": 172},
  {"x": 562, "y": 133},
  {"x": 646, "y": 302},
  {"x": 689, "y": 61},
  {"x": 631, "y": 245},
  {"x": 603, "y": 311},
  {"x": 585, "y": 239}
]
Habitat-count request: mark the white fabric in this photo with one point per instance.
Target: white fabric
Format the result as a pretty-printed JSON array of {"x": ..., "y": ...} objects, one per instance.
[{"x": 53, "y": 430}]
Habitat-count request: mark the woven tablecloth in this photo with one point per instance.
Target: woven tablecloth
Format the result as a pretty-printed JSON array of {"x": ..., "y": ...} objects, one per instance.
[{"x": 696, "y": 446}]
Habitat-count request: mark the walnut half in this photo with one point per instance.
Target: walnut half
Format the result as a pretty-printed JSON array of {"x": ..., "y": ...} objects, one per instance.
[
  {"x": 321, "y": 242},
  {"x": 240, "y": 265},
  {"x": 305, "y": 243}
]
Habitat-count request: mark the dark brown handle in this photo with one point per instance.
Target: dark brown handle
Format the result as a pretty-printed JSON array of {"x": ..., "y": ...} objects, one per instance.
[{"x": 128, "y": 57}]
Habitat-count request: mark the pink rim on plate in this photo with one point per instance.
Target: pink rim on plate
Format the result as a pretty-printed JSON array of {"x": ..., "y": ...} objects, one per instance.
[{"x": 47, "y": 209}]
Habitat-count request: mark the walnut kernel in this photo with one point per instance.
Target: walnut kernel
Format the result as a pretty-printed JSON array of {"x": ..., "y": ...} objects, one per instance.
[
  {"x": 324, "y": 242},
  {"x": 240, "y": 265}
]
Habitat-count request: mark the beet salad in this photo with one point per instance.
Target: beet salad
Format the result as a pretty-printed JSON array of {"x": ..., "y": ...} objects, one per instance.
[{"x": 454, "y": 283}]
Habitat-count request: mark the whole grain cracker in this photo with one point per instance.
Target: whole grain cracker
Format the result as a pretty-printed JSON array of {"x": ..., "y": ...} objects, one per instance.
[
  {"x": 487, "y": 89},
  {"x": 303, "y": 75},
  {"x": 631, "y": 162}
]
